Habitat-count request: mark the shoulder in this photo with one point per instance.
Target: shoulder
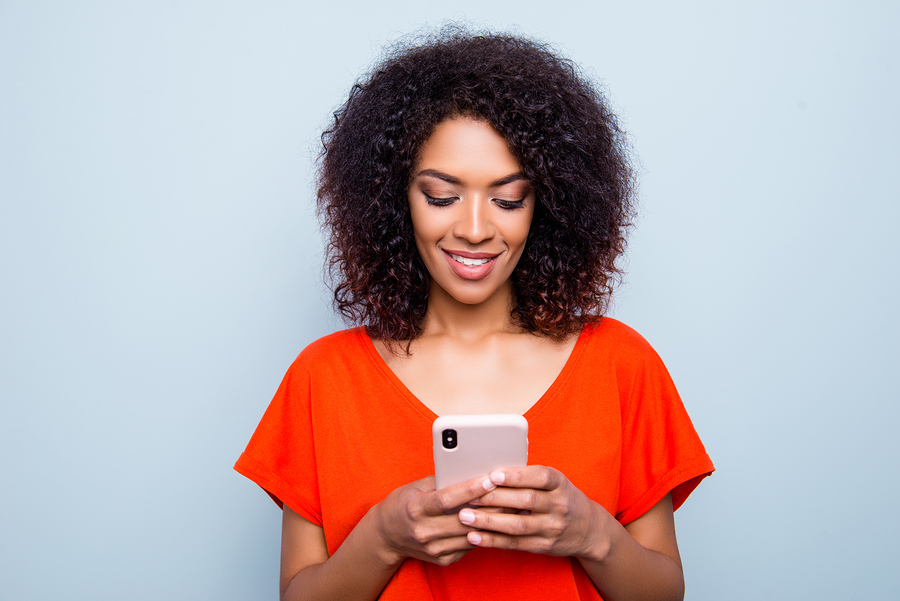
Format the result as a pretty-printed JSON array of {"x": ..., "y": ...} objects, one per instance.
[
  {"x": 614, "y": 337},
  {"x": 337, "y": 348},
  {"x": 611, "y": 345},
  {"x": 335, "y": 344}
]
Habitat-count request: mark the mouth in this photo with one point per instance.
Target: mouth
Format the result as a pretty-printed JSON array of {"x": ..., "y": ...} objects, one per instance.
[
  {"x": 469, "y": 265},
  {"x": 467, "y": 261}
]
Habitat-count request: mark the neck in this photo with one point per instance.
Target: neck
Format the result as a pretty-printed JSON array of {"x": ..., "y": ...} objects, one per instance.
[{"x": 449, "y": 317}]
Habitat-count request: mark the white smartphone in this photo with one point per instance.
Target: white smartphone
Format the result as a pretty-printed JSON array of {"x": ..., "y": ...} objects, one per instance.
[{"x": 467, "y": 446}]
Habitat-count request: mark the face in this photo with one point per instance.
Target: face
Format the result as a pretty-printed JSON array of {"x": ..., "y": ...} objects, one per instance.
[{"x": 471, "y": 209}]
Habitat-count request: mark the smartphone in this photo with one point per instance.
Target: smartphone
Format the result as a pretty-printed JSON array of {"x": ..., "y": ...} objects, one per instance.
[{"x": 467, "y": 446}]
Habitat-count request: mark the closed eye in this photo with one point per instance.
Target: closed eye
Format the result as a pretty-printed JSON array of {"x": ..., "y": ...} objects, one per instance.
[
  {"x": 439, "y": 202},
  {"x": 510, "y": 205}
]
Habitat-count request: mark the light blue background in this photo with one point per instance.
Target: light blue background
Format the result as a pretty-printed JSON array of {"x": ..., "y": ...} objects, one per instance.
[{"x": 160, "y": 267}]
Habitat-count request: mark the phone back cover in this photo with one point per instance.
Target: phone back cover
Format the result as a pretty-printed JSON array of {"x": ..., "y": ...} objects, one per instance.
[{"x": 484, "y": 443}]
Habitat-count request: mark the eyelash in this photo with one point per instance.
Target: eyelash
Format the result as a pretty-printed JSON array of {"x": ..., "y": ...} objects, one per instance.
[
  {"x": 510, "y": 205},
  {"x": 507, "y": 205},
  {"x": 439, "y": 202}
]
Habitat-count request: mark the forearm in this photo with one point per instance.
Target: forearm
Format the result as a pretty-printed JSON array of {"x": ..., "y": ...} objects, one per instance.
[
  {"x": 626, "y": 570},
  {"x": 411, "y": 522},
  {"x": 359, "y": 570}
]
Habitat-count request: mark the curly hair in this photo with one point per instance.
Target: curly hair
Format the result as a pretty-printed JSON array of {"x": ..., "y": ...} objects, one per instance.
[{"x": 558, "y": 126}]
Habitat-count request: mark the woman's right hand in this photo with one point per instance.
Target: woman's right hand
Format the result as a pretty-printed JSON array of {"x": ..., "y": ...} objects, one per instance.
[
  {"x": 418, "y": 521},
  {"x": 410, "y": 522}
]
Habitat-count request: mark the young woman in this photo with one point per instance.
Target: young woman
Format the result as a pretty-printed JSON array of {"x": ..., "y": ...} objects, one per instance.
[{"x": 477, "y": 193}]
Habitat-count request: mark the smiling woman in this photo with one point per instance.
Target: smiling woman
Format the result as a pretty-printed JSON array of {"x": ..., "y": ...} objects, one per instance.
[
  {"x": 567, "y": 144},
  {"x": 477, "y": 194}
]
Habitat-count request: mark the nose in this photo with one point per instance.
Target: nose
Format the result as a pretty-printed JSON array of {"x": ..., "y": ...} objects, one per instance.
[{"x": 474, "y": 223}]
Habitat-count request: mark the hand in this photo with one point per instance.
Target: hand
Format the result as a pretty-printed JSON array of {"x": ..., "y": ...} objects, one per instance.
[
  {"x": 552, "y": 516},
  {"x": 413, "y": 520}
]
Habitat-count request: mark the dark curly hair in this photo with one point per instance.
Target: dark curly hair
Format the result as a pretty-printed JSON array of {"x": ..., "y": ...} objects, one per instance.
[{"x": 559, "y": 128}]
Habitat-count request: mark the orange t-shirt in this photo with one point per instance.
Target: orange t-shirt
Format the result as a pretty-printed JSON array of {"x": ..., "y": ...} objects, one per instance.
[{"x": 343, "y": 431}]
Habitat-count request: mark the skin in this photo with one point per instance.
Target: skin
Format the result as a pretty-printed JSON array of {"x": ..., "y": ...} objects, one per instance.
[
  {"x": 467, "y": 197},
  {"x": 467, "y": 323}
]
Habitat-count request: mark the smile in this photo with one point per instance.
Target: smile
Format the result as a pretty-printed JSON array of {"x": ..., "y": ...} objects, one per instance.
[
  {"x": 468, "y": 261},
  {"x": 471, "y": 266}
]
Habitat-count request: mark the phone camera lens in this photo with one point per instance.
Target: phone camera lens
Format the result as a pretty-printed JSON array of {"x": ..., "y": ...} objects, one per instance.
[{"x": 449, "y": 438}]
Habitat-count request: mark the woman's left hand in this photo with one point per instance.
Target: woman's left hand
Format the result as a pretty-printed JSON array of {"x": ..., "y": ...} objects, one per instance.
[{"x": 552, "y": 515}]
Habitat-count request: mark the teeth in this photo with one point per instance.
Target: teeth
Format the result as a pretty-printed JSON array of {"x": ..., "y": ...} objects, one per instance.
[{"x": 469, "y": 262}]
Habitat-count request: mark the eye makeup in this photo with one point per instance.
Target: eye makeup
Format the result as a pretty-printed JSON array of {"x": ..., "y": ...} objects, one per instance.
[
  {"x": 438, "y": 202},
  {"x": 508, "y": 205}
]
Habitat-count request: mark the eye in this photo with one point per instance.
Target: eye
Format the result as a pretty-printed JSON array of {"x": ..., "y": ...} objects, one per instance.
[
  {"x": 510, "y": 205},
  {"x": 439, "y": 202}
]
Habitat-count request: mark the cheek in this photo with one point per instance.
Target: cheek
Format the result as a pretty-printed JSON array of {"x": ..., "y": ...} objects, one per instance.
[
  {"x": 428, "y": 226},
  {"x": 518, "y": 228},
  {"x": 417, "y": 222}
]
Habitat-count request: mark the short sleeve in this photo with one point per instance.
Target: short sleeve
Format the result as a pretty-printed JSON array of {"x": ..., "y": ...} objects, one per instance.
[
  {"x": 280, "y": 456},
  {"x": 661, "y": 451}
]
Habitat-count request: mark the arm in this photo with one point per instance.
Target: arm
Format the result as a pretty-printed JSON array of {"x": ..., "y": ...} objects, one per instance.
[
  {"x": 643, "y": 560},
  {"x": 635, "y": 562},
  {"x": 410, "y": 522},
  {"x": 357, "y": 570}
]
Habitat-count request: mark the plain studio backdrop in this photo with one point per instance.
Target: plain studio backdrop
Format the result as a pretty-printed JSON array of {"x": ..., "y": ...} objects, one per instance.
[{"x": 160, "y": 267}]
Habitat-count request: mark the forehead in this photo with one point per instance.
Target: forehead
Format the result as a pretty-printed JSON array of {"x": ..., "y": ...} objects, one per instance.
[{"x": 465, "y": 145}]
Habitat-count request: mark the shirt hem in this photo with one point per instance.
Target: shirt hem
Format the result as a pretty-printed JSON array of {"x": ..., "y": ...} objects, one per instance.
[
  {"x": 680, "y": 481},
  {"x": 280, "y": 491}
]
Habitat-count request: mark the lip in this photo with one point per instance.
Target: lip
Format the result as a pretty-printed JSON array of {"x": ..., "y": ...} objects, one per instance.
[
  {"x": 471, "y": 255},
  {"x": 471, "y": 272}
]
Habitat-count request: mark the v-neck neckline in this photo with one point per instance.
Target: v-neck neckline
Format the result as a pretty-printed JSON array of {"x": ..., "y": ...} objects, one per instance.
[{"x": 422, "y": 409}]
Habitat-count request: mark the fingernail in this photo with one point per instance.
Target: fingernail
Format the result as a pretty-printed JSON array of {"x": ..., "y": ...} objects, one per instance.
[
  {"x": 466, "y": 516},
  {"x": 488, "y": 485},
  {"x": 497, "y": 477},
  {"x": 474, "y": 538}
]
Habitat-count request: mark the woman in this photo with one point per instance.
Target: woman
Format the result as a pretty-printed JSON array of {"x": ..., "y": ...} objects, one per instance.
[{"x": 477, "y": 193}]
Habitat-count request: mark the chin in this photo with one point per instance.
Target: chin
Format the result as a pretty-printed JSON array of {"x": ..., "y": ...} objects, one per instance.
[{"x": 473, "y": 295}]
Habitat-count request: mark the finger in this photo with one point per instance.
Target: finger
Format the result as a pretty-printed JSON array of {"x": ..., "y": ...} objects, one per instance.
[
  {"x": 517, "y": 499},
  {"x": 450, "y": 498},
  {"x": 504, "y": 523},
  {"x": 444, "y": 546},
  {"x": 532, "y": 544},
  {"x": 442, "y": 551},
  {"x": 434, "y": 529},
  {"x": 424, "y": 485},
  {"x": 491, "y": 509},
  {"x": 449, "y": 558},
  {"x": 533, "y": 476}
]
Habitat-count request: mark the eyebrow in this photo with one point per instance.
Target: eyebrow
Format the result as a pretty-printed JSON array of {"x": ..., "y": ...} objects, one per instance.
[{"x": 455, "y": 180}]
